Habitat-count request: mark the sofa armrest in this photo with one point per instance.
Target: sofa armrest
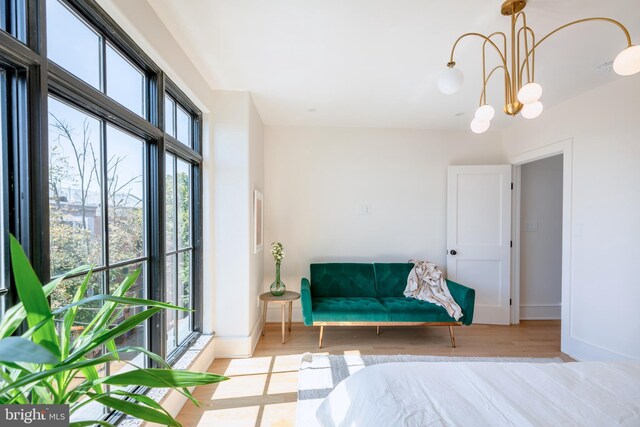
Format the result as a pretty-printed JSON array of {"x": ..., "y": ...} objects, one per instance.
[
  {"x": 465, "y": 297},
  {"x": 305, "y": 298}
]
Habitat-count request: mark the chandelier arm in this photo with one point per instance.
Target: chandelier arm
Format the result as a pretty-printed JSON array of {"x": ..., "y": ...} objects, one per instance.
[
  {"x": 484, "y": 74},
  {"x": 483, "y": 95},
  {"x": 502, "y": 58},
  {"x": 533, "y": 55},
  {"x": 526, "y": 48},
  {"x": 580, "y": 21},
  {"x": 484, "y": 45}
]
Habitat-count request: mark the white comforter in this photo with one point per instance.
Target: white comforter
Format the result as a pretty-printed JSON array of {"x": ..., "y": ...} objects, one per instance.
[{"x": 487, "y": 394}]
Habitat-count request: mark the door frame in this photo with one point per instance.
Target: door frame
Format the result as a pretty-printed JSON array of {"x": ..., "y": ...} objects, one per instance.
[{"x": 564, "y": 147}]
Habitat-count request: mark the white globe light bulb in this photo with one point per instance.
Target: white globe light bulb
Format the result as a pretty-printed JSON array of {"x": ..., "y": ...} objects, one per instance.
[
  {"x": 530, "y": 93},
  {"x": 628, "y": 61},
  {"x": 450, "y": 81},
  {"x": 485, "y": 113},
  {"x": 479, "y": 126},
  {"x": 531, "y": 111}
]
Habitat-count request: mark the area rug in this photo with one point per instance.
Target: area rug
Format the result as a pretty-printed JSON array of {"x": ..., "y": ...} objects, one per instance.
[{"x": 320, "y": 373}]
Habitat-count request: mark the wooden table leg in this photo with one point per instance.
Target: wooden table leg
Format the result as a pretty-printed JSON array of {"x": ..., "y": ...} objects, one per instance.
[
  {"x": 453, "y": 337},
  {"x": 283, "y": 322},
  {"x": 264, "y": 316},
  {"x": 290, "y": 313}
]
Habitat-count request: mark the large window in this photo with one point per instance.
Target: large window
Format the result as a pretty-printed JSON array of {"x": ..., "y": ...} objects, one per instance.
[
  {"x": 97, "y": 181},
  {"x": 77, "y": 47},
  {"x": 4, "y": 141},
  {"x": 13, "y": 18},
  {"x": 107, "y": 165},
  {"x": 12, "y": 120},
  {"x": 180, "y": 190}
]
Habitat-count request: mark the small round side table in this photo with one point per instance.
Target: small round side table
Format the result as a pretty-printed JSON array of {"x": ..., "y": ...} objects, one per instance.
[{"x": 287, "y": 298}]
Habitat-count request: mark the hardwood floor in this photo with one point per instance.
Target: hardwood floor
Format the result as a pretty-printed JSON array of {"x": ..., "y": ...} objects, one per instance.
[{"x": 262, "y": 389}]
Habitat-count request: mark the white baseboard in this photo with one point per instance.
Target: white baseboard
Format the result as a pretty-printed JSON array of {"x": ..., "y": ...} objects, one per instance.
[
  {"x": 540, "y": 311},
  {"x": 255, "y": 334},
  {"x": 582, "y": 351},
  {"x": 238, "y": 347}
]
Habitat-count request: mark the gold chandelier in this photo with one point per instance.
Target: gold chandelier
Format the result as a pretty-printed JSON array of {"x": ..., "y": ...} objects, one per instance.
[{"x": 518, "y": 66}]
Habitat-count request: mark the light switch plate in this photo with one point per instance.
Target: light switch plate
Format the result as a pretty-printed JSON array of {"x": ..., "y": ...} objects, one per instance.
[{"x": 531, "y": 226}]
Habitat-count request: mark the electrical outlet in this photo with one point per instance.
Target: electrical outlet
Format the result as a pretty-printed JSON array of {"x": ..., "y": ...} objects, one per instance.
[{"x": 365, "y": 209}]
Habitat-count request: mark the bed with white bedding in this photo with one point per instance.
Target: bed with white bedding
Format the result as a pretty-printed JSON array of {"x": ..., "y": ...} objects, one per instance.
[{"x": 486, "y": 394}]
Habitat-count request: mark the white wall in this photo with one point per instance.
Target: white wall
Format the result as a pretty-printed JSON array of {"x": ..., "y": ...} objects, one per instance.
[
  {"x": 230, "y": 215},
  {"x": 239, "y": 169},
  {"x": 256, "y": 182},
  {"x": 604, "y": 285},
  {"x": 232, "y": 167},
  {"x": 541, "y": 239},
  {"x": 319, "y": 181}
]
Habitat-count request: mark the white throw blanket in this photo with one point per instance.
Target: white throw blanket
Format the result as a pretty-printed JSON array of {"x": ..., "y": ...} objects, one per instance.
[{"x": 426, "y": 282}]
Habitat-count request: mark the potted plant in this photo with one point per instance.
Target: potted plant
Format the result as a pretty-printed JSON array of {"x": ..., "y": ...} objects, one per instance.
[{"x": 42, "y": 365}]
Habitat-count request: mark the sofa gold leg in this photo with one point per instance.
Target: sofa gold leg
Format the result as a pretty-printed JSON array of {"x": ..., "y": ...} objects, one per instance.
[
  {"x": 378, "y": 330},
  {"x": 453, "y": 337},
  {"x": 321, "y": 334}
]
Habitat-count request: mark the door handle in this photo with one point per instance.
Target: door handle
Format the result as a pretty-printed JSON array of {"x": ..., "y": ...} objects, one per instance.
[{"x": 453, "y": 252}]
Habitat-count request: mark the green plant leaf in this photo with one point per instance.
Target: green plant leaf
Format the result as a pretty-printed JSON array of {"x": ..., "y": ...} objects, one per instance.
[
  {"x": 102, "y": 337},
  {"x": 104, "y": 314},
  {"x": 91, "y": 382},
  {"x": 111, "y": 348},
  {"x": 146, "y": 400},
  {"x": 42, "y": 375},
  {"x": 16, "y": 314},
  {"x": 70, "y": 316},
  {"x": 163, "y": 378},
  {"x": 32, "y": 296},
  {"x": 138, "y": 411},
  {"x": 18, "y": 349},
  {"x": 159, "y": 360},
  {"x": 29, "y": 333},
  {"x": 130, "y": 302},
  {"x": 91, "y": 373}
]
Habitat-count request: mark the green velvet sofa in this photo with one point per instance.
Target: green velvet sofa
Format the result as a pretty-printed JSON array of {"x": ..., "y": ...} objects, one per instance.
[{"x": 358, "y": 294}]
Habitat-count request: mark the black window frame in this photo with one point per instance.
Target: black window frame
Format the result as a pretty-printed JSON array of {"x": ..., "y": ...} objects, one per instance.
[
  {"x": 36, "y": 79},
  {"x": 193, "y": 156}
]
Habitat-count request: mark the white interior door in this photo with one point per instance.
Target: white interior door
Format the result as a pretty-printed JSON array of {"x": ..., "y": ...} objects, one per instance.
[{"x": 479, "y": 237}]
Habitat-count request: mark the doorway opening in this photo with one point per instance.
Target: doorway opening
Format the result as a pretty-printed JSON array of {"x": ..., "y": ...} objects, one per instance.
[
  {"x": 565, "y": 149},
  {"x": 539, "y": 233}
]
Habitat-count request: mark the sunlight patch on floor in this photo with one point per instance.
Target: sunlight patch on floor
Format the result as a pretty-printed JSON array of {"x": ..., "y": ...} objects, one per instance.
[
  {"x": 270, "y": 382},
  {"x": 233, "y": 417},
  {"x": 252, "y": 365},
  {"x": 290, "y": 362},
  {"x": 279, "y": 415},
  {"x": 283, "y": 382},
  {"x": 241, "y": 386}
]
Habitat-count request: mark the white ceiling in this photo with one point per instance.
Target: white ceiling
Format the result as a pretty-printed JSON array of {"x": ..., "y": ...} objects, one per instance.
[{"x": 375, "y": 63}]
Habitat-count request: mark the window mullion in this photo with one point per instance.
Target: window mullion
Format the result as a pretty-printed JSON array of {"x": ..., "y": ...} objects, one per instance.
[
  {"x": 176, "y": 232},
  {"x": 103, "y": 64},
  {"x": 104, "y": 184},
  {"x": 176, "y": 228}
]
